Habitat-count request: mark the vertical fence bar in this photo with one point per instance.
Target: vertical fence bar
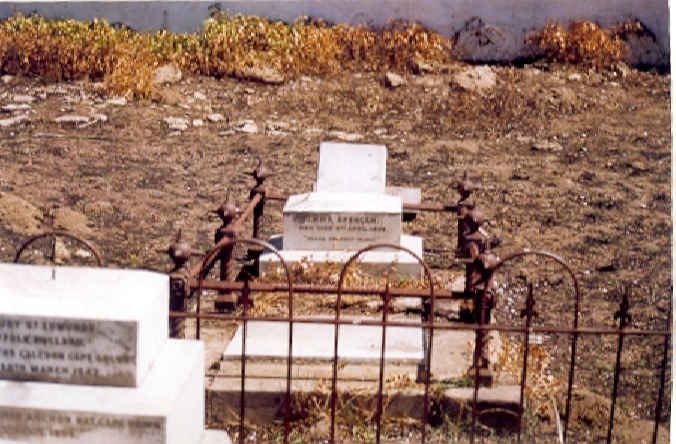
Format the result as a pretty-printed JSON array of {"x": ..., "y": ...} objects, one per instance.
[
  {"x": 573, "y": 355},
  {"x": 334, "y": 372},
  {"x": 379, "y": 410},
  {"x": 245, "y": 304},
  {"x": 289, "y": 364},
  {"x": 430, "y": 310},
  {"x": 623, "y": 315},
  {"x": 475, "y": 393},
  {"x": 663, "y": 372},
  {"x": 528, "y": 312}
]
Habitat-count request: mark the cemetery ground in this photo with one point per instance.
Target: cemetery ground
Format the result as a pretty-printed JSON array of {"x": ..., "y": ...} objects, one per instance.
[{"x": 571, "y": 161}]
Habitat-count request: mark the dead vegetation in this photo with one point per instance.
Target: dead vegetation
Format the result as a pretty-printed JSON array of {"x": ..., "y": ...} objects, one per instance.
[{"x": 124, "y": 60}]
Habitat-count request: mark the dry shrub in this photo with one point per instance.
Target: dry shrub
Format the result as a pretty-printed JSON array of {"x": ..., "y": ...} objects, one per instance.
[{"x": 583, "y": 42}]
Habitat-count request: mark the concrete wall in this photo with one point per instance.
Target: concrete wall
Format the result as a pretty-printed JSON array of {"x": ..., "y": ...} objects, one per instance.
[{"x": 484, "y": 29}]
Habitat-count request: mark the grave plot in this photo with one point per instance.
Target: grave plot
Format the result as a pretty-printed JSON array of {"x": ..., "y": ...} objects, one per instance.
[{"x": 85, "y": 357}]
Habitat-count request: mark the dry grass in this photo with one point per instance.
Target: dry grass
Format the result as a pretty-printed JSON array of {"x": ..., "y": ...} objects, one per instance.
[
  {"x": 583, "y": 42},
  {"x": 231, "y": 46}
]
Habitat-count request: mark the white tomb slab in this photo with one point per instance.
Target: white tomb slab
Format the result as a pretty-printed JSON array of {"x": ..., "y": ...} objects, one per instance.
[
  {"x": 314, "y": 341},
  {"x": 351, "y": 168},
  {"x": 375, "y": 261},
  {"x": 168, "y": 408},
  {"x": 340, "y": 221},
  {"x": 80, "y": 325},
  {"x": 408, "y": 195}
]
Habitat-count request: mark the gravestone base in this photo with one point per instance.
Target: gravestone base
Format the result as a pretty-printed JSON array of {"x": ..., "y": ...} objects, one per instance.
[
  {"x": 374, "y": 261},
  {"x": 168, "y": 408}
]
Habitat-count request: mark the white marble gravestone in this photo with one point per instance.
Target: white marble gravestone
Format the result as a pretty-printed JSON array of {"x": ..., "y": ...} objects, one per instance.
[
  {"x": 85, "y": 358},
  {"x": 351, "y": 168},
  {"x": 351, "y": 208}
]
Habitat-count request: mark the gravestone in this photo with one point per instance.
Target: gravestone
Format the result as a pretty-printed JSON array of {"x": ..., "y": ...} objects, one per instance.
[
  {"x": 350, "y": 209},
  {"x": 85, "y": 357}
]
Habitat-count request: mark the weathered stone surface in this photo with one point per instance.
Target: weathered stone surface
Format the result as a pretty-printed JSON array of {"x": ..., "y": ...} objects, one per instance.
[
  {"x": 176, "y": 123},
  {"x": 246, "y": 126},
  {"x": 11, "y": 121},
  {"x": 337, "y": 172},
  {"x": 356, "y": 343},
  {"x": 80, "y": 325},
  {"x": 263, "y": 74},
  {"x": 340, "y": 221},
  {"x": 215, "y": 117},
  {"x": 478, "y": 79},
  {"x": 168, "y": 73},
  {"x": 394, "y": 80},
  {"x": 167, "y": 409},
  {"x": 398, "y": 263}
]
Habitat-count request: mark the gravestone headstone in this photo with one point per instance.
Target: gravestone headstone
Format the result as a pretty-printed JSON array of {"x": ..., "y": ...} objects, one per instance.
[
  {"x": 351, "y": 168},
  {"x": 85, "y": 357}
]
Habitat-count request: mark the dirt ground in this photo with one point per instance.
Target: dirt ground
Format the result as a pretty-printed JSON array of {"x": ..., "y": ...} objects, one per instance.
[{"x": 571, "y": 161}]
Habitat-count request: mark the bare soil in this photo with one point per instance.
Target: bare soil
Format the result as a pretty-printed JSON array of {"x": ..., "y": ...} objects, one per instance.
[{"x": 571, "y": 161}]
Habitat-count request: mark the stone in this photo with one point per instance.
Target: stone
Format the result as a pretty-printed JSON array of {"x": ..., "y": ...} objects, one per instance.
[
  {"x": 545, "y": 145},
  {"x": 11, "y": 121},
  {"x": 176, "y": 123},
  {"x": 197, "y": 95},
  {"x": 246, "y": 126},
  {"x": 408, "y": 195},
  {"x": 80, "y": 325},
  {"x": 394, "y": 80},
  {"x": 23, "y": 98},
  {"x": 7, "y": 79},
  {"x": 215, "y": 118},
  {"x": 168, "y": 73},
  {"x": 420, "y": 66},
  {"x": 19, "y": 215},
  {"x": 337, "y": 172},
  {"x": 263, "y": 74},
  {"x": 575, "y": 77},
  {"x": 13, "y": 107},
  {"x": 197, "y": 123},
  {"x": 345, "y": 136},
  {"x": 377, "y": 261},
  {"x": 266, "y": 339},
  {"x": 72, "y": 119},
  {"x": 167, "y": 409},
  {"x": 478, "y": 79},
  {"x": 117, "y": 101},
  {"x": 340, "y": 221}
]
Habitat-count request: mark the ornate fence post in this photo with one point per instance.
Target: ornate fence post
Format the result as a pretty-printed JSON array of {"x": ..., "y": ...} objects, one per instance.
[
  {"x": 227, "y": 212},
  {"x": 180, "y": 253}
]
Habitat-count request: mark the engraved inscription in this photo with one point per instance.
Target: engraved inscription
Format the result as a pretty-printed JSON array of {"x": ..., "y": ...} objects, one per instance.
[
  {"x": 30, "y": 425},
  {"x": 67, "y": 350},
  {"x": 339, "y": 228}
]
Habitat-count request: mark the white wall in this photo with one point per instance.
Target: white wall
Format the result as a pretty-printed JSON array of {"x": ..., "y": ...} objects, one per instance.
[{"x": 484, "y": 29}]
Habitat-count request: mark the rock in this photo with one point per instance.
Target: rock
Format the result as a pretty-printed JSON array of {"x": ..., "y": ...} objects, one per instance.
[
  {"x": 575, "y": 77},
  {"x": 6, "y": 79},
  {"x": 215, "y": 117},
  {"x": 429, "y": 81},
  {"x": 347, "y": 137},
  {"x": 117, "y": 101},
  {"x": 246, "y": 126},
  {"x": 82, "y": 253},
  {"x": 394, "y": 80},
  {"x": 622, "y": 69},
  {"x": 176, "y": 123},
  {"x": 6, "y": 123},
  {"x": 226, "y": 133},
  {"x": 72, "y": 119},
  {"x": 545, "y": 145},
  {"x": 277, "y": 128},
  {"x": 18, "y": 215},
  {"x": 168, "y": 73},
  {"x": 197, "y": 123},
  {"x": 199, "y": 95},
  {"x": 99, "y": 118},
  {"x": 13, "y": 107},
  {"x": 478, "y": 79},
  {"x": 23, "y": 98},
  {"x": 420, "y": 66},
  {"x": 61, "y": 253},
  {"x": 263, "y": 74},
  {"x": 71, "y": 220}
]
